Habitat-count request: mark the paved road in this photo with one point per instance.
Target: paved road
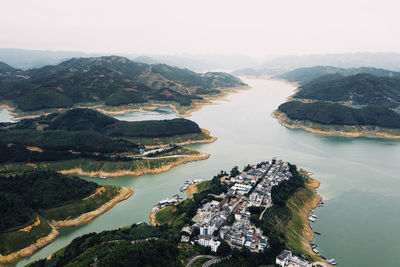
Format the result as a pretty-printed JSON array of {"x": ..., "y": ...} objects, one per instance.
[
  {"x": 211, "y": 262},
  {"x": 198, "y": 257}
]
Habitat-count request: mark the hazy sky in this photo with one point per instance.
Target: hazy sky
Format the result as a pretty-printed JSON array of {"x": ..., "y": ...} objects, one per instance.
[{"x": 203, "y": 26}]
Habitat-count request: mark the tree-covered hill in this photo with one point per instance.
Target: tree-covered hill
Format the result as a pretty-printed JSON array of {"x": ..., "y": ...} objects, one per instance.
[
  {"x": 111, "y": 80},
  {"x": 305, "y": 75},
  {"x": 359, "y": 90},
  {"x": 81, "y": 133},
  {"x": 22, "y": 195},
  {"x": 337, "y": 114}
]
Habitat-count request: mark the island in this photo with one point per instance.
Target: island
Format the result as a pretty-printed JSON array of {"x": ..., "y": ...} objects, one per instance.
[
  {"x": 35, "y": 204},
  {"x": 240, "y": 218},
  {"x": 87, "y": 142},
  {"x": 355, "y": 105},
  {"x": 111, "y": 84}
]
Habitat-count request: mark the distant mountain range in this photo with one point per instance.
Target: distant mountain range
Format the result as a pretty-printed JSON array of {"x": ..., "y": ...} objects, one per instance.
[
  {"x": 111, "y": 80},
  {"x": 305, "y": 75}
]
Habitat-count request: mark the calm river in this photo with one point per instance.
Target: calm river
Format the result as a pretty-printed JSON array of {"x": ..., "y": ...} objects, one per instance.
[{"x": 360, "y": 177}]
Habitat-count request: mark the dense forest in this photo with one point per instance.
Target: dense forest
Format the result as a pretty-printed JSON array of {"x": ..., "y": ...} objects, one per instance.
[
  {"x": 337, "y": 114},
  {"x": 22, "y": 195},
  {"x": 305, "y": 75},
  {"x": 112, "y": 80},
  {"x": 359, "y": 89},
  {"x": 80, "y": 133}
]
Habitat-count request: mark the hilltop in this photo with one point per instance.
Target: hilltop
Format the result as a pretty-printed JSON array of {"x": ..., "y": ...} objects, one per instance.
[{"x": 111, "y": 81}]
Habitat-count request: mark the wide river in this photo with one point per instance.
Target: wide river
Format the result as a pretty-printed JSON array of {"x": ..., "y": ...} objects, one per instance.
[{"x": 360, "y": 177}]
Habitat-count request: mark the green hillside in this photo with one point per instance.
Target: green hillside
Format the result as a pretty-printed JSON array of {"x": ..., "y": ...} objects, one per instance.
[
  {"x": 337, "y": 114},
  {"x": 305, "y": 75},
  {"x": 81, "y": 133},
  {"x": 110, "y": 80},
  {"x": 359, "y": 90}
]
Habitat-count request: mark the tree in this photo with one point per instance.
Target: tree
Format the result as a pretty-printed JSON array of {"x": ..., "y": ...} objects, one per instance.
[{"x": 224, "y": 249}]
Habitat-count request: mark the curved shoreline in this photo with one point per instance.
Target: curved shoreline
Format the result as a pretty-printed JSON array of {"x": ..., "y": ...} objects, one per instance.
[
  {"x": 164, "y": 168},
  {"x": 357, "y": 131},
  {"x": 123, "y": 109},
  {"x": 84, "y": 218}
]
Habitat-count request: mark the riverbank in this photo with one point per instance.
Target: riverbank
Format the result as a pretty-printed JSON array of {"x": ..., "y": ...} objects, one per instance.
[
  {"x": 84, "y": 218},
  {"x": 337, "y": 130},
  {"x": 146, "y": 169},
  {"x": 299, "y": 233}
]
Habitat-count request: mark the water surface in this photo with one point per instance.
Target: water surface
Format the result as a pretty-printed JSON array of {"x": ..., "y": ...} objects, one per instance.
[{"x": 360, "y": 177}]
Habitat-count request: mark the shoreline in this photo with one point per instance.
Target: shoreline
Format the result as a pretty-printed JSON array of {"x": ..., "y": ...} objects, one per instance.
[
  {"x": 358, "y": 131},
  {"x": 212, "y": 139},
  {"x": 308, "y": 233},
  {"x": 165, "y": 168},
  {"x": 84, "y": 218},
  {"x": 145, "y": 107}
]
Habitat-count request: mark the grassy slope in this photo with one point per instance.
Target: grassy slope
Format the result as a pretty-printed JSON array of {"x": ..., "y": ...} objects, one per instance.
[
  {"x": 16, "y": 240},
  {"x": 300, "y": 205}
]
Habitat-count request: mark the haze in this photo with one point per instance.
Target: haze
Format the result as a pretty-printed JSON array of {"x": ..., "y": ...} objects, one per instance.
[{"x": 255, "y": 28}]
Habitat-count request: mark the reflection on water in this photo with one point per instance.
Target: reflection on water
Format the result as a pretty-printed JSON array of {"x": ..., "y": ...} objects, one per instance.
[{"x": 360, "y": 177}]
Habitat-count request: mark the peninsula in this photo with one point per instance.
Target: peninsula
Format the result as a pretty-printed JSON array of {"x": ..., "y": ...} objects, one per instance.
[
  {"x": 87, "y": 142},
  {"x": 36, "y": 204},
  {"x": 241, "y": 218},
  {"x": 355, "y": 105}
]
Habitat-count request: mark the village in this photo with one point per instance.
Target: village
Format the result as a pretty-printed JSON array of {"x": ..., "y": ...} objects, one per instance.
[{"x": 229, "y": 218}]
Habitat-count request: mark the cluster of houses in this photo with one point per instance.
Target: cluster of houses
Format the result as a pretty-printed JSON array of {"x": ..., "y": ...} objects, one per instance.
[{"x": 229, "y": 217}]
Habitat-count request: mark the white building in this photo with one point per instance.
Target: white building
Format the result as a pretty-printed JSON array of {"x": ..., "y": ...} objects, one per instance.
[{"x": 283, "y": 258}]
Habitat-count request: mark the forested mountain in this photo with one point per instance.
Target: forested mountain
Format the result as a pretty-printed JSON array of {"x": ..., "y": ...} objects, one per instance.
[
  {"x": 80, "y": 133},
  {"x": 359, "y": 90},
  {"x": 305, "y": 75},
  {"x": 337, "y": 114},
  {"x": 111, "y": 80}
]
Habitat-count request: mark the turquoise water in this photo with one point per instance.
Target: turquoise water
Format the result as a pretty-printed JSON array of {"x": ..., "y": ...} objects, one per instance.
[{"x": 359, "y": 177}]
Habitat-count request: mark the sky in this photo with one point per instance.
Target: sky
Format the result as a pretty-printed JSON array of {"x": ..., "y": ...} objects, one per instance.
[{"x": 250, "y": 27}]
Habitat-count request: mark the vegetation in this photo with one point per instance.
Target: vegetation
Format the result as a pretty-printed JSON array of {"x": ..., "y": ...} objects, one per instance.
[
  {"x": 305, "y": 75},
  {"x": 114, "y": 248},
  {"x": 84, "y": 133},
  {"x": 30, "y": 200},
  {"x": 336, "y": 114},
  {"x": 112, "y": 80},
  {"x": 359, "y": 89},
  {"x": 21, "y": 195}
]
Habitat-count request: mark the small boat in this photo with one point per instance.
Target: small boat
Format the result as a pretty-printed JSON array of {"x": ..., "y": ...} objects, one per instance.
[
  {"x": 313, "y": 245},
  {"x": 312, "y": 219},
  {"x": 322, "y": 257},
  {"x": 331, "y": 261},
  {"x": 317, "y": 233},
  {"x": 316, "y": 251}
]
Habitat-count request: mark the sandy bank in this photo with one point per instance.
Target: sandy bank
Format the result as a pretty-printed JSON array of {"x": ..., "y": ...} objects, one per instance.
[
  {"x": 125, "y": 193},
  {"x": 191, "y": 190},
  {"x": 137, "y": 172},
  {"x": 353, "y": 130}
]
